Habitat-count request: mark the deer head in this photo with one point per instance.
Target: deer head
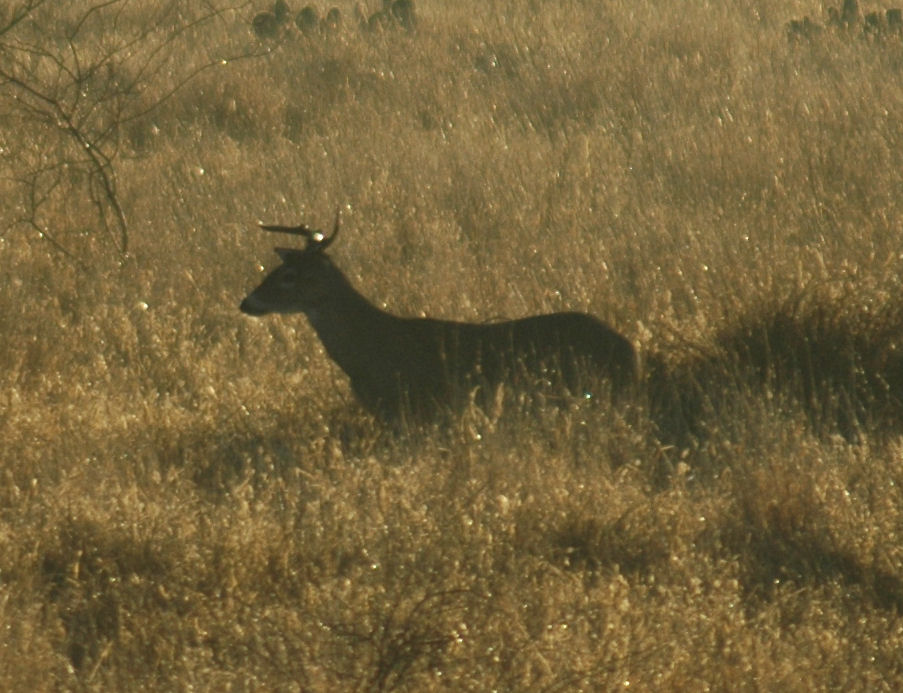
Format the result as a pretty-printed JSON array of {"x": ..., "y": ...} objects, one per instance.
[{"x": 303, "y": 281}]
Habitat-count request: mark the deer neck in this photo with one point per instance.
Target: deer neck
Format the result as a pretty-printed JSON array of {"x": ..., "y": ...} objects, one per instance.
[{"x": 349, "y": 325}]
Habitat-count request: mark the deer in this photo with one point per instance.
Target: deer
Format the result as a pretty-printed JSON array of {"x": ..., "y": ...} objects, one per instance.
[{"x": 410, "y": 369}]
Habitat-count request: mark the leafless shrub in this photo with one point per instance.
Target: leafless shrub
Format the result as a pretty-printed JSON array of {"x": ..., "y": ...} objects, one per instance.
[{"x": 73, "y": 80}]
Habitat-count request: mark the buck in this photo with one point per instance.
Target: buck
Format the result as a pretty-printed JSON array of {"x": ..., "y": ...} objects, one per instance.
[{"x": 411, "y": 369}]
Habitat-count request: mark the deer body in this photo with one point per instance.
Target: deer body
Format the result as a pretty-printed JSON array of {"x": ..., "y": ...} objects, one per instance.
[{"x": 416, "y": 367}]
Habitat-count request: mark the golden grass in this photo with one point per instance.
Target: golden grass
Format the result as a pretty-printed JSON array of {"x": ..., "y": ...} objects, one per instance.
[{"x": 191, "y": 499}]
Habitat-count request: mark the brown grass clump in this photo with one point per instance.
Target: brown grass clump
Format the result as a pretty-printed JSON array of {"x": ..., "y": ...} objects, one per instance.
[{"x": 192, "y": 499}]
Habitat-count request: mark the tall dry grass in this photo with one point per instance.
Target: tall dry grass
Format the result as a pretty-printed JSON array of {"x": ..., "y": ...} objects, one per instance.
[{"x": 192, "y": 499}]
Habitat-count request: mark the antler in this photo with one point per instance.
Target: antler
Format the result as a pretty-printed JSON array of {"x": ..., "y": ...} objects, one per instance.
[{"x": 314, "y": 237}]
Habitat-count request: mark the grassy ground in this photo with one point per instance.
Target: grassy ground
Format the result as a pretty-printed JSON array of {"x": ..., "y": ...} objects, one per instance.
[{"x": 191, "y": 499}]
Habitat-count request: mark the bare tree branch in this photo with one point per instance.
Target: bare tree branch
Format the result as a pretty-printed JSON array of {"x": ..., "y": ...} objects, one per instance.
[{"x": 71, "y": 78}]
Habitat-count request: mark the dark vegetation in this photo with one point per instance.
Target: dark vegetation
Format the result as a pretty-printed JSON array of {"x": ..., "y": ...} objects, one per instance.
[
  {"x": 848, "y": 21},
  {"x": 275, "y": 24}
]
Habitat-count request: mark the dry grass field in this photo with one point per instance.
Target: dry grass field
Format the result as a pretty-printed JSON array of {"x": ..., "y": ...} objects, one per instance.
[{"x": 191, "y": 499}]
